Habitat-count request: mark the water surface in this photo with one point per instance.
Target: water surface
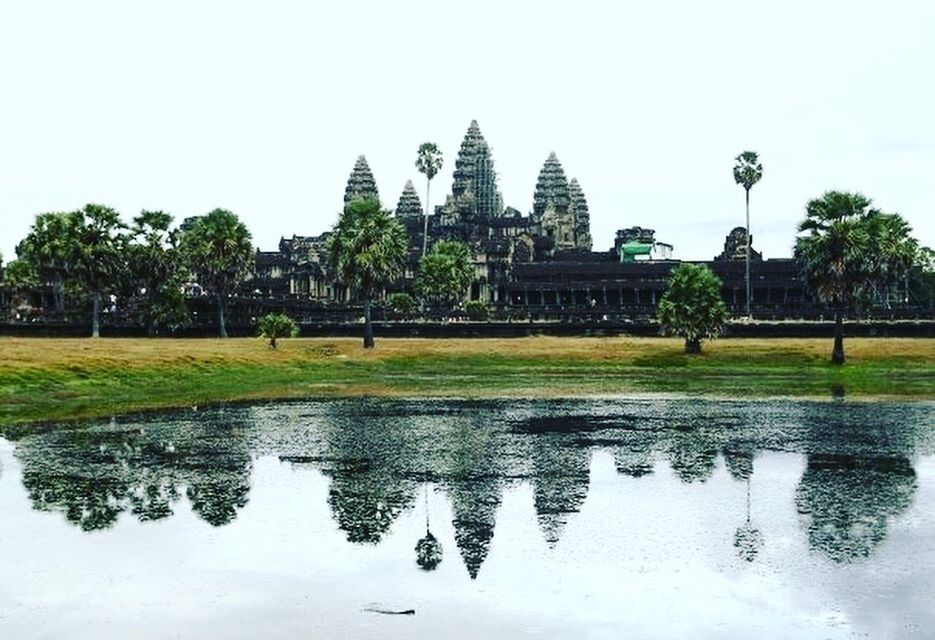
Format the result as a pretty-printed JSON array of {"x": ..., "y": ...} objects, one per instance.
[{"x": 646, "y": 517}]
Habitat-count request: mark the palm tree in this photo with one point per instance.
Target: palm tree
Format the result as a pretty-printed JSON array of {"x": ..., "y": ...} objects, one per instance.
[
  {"x": 429, "y": 162},
  {"x": 218, "y": 249},
  {"x": 367, "y": 249},
  {"x": 156, "y": 268},
  {"x": 849, "y": 252},
  {"x": 747, "y": 172},
  {"x": 98, "y": 254},
  {"x": 48, "y": 252}
]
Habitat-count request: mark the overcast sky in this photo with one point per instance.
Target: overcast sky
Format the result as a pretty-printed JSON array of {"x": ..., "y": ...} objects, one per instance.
[{"x": 263, "y": 107}]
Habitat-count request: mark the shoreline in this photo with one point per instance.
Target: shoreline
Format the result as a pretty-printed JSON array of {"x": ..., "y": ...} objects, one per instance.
[{"x": 59, "y": 380}]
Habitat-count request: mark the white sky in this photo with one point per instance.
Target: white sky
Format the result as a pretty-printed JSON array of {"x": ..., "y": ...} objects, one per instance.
[{"x": 263, "y": 107}]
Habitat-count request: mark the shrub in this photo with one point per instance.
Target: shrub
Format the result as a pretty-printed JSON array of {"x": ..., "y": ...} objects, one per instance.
[
  {"x": 476, "y": 309},
  {"x": 277, "y": 325},
  {"x": 692, "y": 306},
  {"x": 401, "y": 303}
]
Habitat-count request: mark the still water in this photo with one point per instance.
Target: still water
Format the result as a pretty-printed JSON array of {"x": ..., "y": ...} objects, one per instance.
[{"x": 643, "y": 517}]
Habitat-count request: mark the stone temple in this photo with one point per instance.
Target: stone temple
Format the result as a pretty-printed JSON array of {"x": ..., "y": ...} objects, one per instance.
[{"x": 538, "y": 265}]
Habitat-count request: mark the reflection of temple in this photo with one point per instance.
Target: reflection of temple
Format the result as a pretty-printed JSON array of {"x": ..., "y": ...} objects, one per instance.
[
  {"x": 378, "y": 456},
  {"x": 540, "y": 265}
]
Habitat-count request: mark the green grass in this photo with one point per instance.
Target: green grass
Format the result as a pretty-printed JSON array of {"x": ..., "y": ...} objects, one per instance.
[{"x": 60, "y": 379}]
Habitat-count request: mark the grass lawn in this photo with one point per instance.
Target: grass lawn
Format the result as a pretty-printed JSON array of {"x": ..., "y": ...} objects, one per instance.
[{"x": 58, "y": 378}]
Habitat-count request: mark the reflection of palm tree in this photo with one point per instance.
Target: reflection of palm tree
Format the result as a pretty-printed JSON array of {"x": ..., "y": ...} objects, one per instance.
[
  {"x": 93, "y": 475},
  {"x": 846, "y": 501},
  {"x": 153, "y": 500},
  {"x": 560, "y": 483},
  {"x": 428, "y": 549},
  {"x": 747, "y": 539},
  {"x": 368, "y": 461}
]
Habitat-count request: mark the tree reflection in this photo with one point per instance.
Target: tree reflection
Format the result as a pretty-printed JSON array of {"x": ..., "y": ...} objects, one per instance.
[
  {"x": 428, "y": 549},
  {"x": 561, "y": 475},
  {"x": 847, "y": 501},
  {"x": 368, "y": 459},
  {"x": 94, "y": 475},
  {"x": 748, "y": 540}
]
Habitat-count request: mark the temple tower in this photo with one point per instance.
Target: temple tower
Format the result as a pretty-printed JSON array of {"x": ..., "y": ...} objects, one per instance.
[
  {"x": 551, "y": 188},
  {"x": 580, "y": 215},
  {"x": 361, "y": 183},
  {"x": 409, "y": 205},
  {"x": 474, "y": 190},
  {"x": 551, "y": 204}
]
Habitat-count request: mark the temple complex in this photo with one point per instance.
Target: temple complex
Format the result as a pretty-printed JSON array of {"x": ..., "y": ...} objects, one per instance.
[{"x": 540, "y": 265}]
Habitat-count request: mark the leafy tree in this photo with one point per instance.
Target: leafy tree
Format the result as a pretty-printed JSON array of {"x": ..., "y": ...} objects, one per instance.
[
  {"x": 98, "y": 245},
  {"x": 401, "y": 303},
  {"x": 692, "y": 306},
  {"x": 277, "y": 325},
  {"x": 849, "y": 252},
  {"x": 893, "y": 253},
  {"x": 19, "y": 274},
  {"x": 747, "y": 172},
  {"x": 367, "y": 249},
  {"x": 445, "y": 273},
  {"x": 217, "y": 248},
  {"x": 156, "y": 269},
  {"x": 47, "y": 251},
  {"x": 429, "y": 162}
]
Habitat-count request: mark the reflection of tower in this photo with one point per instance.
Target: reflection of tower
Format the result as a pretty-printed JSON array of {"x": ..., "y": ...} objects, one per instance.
[
  {"x": 475, "y": 502},
  {"x": 428, "y": 549}
]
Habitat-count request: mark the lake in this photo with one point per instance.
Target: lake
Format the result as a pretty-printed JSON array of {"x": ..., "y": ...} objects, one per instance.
[{"x": 650, "y": 517}]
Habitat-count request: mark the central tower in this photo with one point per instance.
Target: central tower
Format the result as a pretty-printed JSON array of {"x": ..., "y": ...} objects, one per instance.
[{"x": 474, "y": 190}]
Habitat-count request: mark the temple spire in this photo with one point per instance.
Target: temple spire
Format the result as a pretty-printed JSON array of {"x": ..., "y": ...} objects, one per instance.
[
  {"x": 474, "y": 190},
  {"x": 551, "y": 188},
  {"x": 582, "y": 217},
  {"x": 361, "y": 183},
  {"x": 409, "y": 205}
]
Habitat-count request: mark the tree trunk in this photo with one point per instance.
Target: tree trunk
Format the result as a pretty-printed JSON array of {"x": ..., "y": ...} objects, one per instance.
[
  {"x": 748, "y": 254},
  {"x": 222, "y": 314},
  {"x": 837, "y": 354},
  {"x": 151, "y": 329},
  {"x": 692, "y": 346},
  {"x": 272, "y": 342},
  {"x": 368, "y": 325},
  {"x": 96, "y": 314},
  {"x": 425, "y": 229}
]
